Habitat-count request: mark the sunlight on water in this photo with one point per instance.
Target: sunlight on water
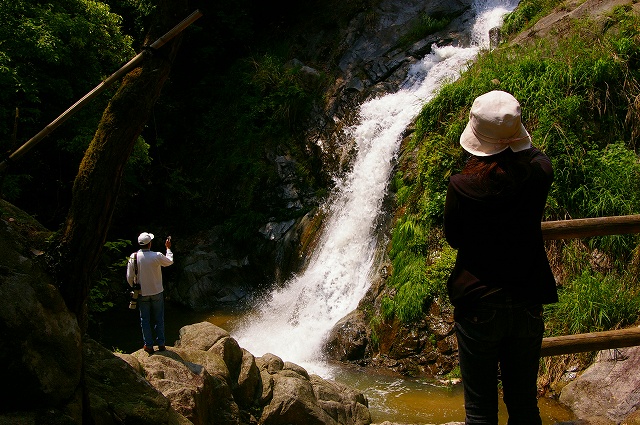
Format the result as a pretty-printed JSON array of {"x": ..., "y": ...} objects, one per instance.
[{"x": 294, "y": 321}]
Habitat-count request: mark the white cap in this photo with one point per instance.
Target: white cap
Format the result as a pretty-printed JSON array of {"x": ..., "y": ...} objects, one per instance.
[{"x": 145, "y": 238}]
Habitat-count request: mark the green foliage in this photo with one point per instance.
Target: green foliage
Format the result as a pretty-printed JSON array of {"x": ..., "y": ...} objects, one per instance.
[
  {"x": 593, "y": 302},
  {"x": 526, "y": 14},
  {"x": 454, "y": 374},
  {"x": 107, "y": 282},
  {"x": 259, "y": 110},
  {"x": 423, "y": 26},
  {"x": 419, "y": 275},
  {"x": 53, "y": 53},
  {"x": 578, "y": 102}
]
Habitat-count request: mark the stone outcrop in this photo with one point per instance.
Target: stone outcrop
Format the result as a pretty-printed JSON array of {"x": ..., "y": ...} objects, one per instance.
[
  {"x": 209, "y": 378},
  {"x": 609, "y": 390}
]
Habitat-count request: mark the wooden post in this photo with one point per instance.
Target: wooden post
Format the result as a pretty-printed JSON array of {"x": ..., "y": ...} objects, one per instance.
[
  {"x": 585, "y": 227},
  {"x": 595, "y": 341}
]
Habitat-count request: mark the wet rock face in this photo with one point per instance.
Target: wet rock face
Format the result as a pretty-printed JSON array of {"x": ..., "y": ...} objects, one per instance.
[
  {"x": 425, "y": 348},
  {"x": 349, "y": 339},
  {"x": 370, "y": 62}
]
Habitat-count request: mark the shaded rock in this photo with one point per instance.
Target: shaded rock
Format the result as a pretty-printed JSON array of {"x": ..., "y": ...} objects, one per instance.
[
  {"x": 40, "y": 343},
  {"x": 609, "y": 388},
  {"x": 118, "y": 394},
  {"x": 296, "y": 369},
  {"x": 271, "y": 363},
  {"x": 344, "y": 404},
  {"x": 249, "y": 387},
  {"x": 293, "y": 402},
  {"x": 211, "y": 274},
  {"x": 231, "y": 353}
]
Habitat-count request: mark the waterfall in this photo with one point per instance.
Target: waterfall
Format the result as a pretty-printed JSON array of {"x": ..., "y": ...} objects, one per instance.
[{"x": 295, "y": 320}]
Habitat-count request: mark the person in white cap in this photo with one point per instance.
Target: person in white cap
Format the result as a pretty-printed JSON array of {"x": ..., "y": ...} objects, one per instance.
[
  {"x": 502, "y": 276},
  {"x": 148, "y": 274}
]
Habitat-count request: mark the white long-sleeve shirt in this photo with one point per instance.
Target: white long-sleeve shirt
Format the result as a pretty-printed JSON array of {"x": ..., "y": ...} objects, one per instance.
[{"x": 150, "y": 265}]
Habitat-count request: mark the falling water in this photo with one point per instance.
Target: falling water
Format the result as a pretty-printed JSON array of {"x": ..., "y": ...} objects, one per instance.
[{"x": 295, "y": 320}]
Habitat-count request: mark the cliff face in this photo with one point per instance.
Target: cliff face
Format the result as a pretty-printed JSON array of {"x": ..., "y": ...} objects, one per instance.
[{"x": 371, "y": 57}]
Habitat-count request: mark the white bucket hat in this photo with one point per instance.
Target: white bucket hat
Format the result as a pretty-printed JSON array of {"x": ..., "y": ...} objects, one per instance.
[
  {"x": 494, "y": 125},
  {"x": 145, "y": 238}
]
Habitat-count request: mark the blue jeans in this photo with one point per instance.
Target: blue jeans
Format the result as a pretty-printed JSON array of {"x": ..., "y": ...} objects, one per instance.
[
  {"x": 152, "y": 318},
  {"x": 505, "y": 337}
]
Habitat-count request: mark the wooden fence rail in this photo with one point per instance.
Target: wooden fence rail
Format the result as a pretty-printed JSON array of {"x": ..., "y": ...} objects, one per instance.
[
  {"x": 595, "y": 341},
  {"x": 582, "y": 228},
  {"x": 585, "y": 227}
]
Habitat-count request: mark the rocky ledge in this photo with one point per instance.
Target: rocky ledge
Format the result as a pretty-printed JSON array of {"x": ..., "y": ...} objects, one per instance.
[{"x": 209, "y": 379}]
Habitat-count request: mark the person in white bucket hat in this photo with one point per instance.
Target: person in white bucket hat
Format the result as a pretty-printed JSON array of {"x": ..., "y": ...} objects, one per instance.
[
  {"x": 494, "y": 125},
  {"x": 145, "y": 268},
  {"x": 502, "y": 277}
]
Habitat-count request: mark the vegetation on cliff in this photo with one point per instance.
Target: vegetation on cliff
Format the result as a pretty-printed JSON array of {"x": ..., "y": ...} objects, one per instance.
[{"x": 579, "y": 93}]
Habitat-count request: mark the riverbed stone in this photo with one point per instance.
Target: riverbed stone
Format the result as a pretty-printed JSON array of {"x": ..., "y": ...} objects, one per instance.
[
  {"x": 293, "y": 402},
  {"x": 231, "y": 353},
  {"x": 118, "y": 394},
  {"x": 271, "y": 363},
  {"x": 197, "y": 389}
]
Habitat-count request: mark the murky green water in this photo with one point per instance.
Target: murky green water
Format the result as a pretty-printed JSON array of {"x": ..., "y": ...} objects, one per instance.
[{"x": 410, "y": 401}]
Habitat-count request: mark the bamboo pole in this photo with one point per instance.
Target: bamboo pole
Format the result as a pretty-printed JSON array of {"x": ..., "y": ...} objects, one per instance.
[
  {"x": 585, "y": 227},
  {"x": 133, "y": 63},
  {"x": 595, "y": 341}
]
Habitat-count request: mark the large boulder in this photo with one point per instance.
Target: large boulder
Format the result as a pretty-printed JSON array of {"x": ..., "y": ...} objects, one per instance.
[{"x": 609, "y": 390}]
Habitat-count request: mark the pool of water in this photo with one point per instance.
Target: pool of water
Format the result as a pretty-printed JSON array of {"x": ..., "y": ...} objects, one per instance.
[
  {"x": 394, "y": 399},
  {"x": 423, "y": 401}
]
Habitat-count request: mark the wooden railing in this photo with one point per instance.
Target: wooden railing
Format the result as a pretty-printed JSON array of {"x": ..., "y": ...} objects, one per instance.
[{"x": 582, "y": 228}]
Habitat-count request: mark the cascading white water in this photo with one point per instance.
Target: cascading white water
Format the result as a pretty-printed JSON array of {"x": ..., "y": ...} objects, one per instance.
[{"x": 295, "y": 321}]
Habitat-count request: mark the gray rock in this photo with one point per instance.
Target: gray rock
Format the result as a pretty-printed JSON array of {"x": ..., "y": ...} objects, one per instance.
[
  {"x": 249, "y": 386},
  {"x": 608, "y": 389},
  {"x": 196, "y": 384},
  {"x": 293, "y": 402}
]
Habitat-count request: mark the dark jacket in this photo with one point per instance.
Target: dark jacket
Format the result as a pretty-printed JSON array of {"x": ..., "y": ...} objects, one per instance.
[{"x": 498, "y": 235}]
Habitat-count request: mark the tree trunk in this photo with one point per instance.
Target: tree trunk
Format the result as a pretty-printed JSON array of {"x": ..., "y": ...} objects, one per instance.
[{"x": 99, "y": 177}]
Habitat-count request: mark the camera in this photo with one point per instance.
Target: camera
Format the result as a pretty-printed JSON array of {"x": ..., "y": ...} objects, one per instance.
[{"x": 135, "y": 292}]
